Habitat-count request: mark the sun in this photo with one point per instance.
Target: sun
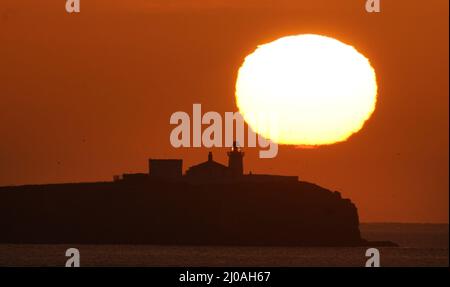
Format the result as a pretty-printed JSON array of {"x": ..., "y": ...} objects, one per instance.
[{"x": 306, "y": 90}]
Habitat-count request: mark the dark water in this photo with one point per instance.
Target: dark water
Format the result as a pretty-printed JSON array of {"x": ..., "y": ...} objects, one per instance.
[{"x": 421, "y": 245}]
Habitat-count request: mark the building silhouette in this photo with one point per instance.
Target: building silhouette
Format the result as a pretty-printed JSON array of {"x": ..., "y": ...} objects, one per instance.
[
  {"x": 211, "y": 204},
  {"x": 209, "y": 171},
  {"x": 165, "y": 168},
  {"x": 235, "y": 160}
]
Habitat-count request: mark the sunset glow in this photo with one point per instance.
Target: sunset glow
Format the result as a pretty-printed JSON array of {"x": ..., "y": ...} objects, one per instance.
[{"x": 306, "y": 90}]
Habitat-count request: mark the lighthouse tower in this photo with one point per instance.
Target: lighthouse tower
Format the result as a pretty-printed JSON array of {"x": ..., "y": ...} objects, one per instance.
[{"x": 235, "y": 160}]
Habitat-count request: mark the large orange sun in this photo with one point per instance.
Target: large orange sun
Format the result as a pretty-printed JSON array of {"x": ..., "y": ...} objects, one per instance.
[{"x": 306, "y": 90}]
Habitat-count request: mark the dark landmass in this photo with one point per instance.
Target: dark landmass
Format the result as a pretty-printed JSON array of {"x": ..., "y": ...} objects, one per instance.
[
  {"x": 212, "y": 204},
  {"x": 164, "y": 212}
]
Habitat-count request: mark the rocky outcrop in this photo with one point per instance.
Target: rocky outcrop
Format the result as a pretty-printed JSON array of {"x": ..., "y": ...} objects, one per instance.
[{"x": 163, "y": 212}]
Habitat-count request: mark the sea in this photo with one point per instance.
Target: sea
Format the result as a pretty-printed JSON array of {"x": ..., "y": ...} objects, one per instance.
[{"x": 421, "y": 245}]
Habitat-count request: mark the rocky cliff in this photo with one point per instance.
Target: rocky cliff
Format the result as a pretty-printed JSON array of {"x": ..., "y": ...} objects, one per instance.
[{"x": 159, "y": 212}]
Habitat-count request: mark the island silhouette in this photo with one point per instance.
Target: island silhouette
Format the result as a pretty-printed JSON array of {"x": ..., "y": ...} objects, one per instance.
[{"x": 211, "y": 204}]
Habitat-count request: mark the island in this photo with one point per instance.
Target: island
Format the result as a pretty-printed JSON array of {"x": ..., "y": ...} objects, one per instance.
[{"x": 210, "y": 204}]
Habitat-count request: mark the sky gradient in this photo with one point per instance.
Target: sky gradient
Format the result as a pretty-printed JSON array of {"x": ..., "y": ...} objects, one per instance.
[{"x": 87, "y": 96}]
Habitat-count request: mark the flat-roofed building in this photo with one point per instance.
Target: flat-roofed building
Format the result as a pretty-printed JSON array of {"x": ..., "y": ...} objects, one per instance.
[{"x": 165, "y": 168}]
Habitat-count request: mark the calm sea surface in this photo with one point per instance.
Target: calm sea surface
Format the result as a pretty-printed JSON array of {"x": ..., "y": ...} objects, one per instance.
[{"x": 421, "y": 245}]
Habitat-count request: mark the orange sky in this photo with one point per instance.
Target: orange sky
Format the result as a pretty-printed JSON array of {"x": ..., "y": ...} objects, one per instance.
[{"x": 87, "y": 96}]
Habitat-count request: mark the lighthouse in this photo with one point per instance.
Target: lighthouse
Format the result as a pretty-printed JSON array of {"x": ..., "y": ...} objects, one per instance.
[{"x": 235, "y": 160}]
